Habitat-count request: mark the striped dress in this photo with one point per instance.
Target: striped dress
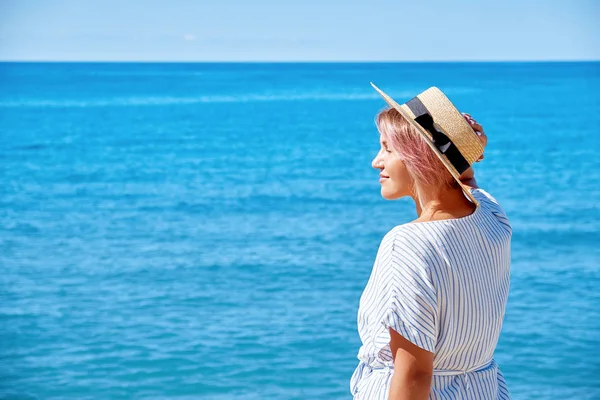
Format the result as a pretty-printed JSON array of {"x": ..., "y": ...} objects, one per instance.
[{"x": 443, "y": 286}]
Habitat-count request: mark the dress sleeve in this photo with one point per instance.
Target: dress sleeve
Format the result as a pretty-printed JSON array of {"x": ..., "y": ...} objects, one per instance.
[{"x": 407, "y": 298}]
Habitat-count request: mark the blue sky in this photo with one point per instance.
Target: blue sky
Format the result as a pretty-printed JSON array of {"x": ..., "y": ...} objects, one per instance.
[{"x": 309, "y": 30}]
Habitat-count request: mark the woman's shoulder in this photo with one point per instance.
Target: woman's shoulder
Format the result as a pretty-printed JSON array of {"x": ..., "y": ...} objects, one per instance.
[
  {"x": 491, "y": 205},
  {"x": 406, "y": 238},
  {"x": 482, "y": 194},
  {"x": 398, "y": 232}
]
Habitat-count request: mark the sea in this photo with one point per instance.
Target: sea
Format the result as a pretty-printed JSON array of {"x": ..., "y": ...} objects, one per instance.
[{"x": 205, "y": 230}]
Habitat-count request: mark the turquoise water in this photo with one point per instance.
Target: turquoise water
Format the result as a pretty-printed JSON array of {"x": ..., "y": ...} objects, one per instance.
[{"x": 206, "y": 230}]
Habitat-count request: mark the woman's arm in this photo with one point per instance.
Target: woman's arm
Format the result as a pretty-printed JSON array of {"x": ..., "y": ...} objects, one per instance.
[
  {"x": 468, "y": 177},
  {"x": 413, "y": 368}
]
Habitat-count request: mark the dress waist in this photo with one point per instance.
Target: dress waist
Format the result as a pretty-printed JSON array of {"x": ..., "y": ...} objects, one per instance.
[
  {"x": 439, "y": 372},
  {"x": 477, "y": 368}
]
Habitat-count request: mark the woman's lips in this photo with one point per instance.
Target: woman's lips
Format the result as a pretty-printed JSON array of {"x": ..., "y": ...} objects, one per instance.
[{"x": 383, "y": 178}]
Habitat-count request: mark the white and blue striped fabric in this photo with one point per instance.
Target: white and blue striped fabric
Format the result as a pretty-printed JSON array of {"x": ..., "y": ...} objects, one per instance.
[{"x": 443, "y": 285}]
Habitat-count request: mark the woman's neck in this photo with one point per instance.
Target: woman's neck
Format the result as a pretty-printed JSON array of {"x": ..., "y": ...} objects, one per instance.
[{"x": 446, "y": 203}]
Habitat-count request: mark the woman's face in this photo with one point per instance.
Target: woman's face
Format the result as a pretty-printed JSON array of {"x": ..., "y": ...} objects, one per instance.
[{"x": 395, "y": 180}]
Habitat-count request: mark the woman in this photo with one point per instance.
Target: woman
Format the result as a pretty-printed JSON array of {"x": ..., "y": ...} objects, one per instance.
[{"x": 431, "y": 313}]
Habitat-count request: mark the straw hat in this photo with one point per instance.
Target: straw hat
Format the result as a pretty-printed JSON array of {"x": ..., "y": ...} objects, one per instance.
[{"x": 444, "y": 129}]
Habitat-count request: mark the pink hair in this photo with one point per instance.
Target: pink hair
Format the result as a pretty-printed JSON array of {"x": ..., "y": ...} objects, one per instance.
[{"x": 421, "y": 162}]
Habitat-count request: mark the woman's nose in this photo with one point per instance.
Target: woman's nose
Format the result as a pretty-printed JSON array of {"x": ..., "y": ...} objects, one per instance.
[{"x": 377, "y": 162}]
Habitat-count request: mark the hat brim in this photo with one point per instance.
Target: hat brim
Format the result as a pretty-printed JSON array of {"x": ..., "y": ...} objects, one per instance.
[{"x": 410, "y": 118}]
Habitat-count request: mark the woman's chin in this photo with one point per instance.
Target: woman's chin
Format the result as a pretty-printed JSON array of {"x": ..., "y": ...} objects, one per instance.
[
  {"x": 386, "y": 194},
  {"x": 389, "y": 194}
]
